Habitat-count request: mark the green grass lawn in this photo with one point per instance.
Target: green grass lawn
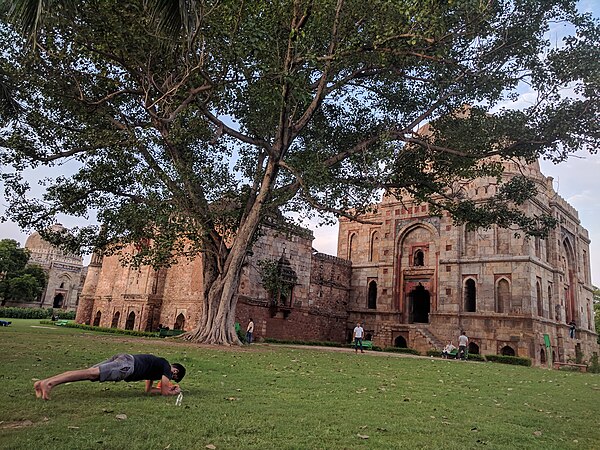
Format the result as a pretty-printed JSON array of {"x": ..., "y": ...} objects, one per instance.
[{"x": 274, "y": 397}]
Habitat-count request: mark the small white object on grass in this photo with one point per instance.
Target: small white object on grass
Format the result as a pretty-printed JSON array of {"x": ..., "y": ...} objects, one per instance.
[{"x": 179, "y": 399}]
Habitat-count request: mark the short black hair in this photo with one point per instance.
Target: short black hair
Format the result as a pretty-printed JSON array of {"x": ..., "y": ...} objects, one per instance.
[{"x": 180, "y": 372}]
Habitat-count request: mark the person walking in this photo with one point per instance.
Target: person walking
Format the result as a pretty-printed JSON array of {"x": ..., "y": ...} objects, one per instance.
[{"x": 357, "y": 337}]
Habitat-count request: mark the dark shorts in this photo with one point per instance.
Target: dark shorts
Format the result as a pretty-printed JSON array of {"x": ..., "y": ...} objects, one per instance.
[{"x": 116, "y": 368}]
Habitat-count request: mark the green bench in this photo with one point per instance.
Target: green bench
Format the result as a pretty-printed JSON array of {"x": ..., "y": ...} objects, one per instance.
[
  {"x": 61, "y": 323},
  {"x": 452, "y": 355},
  {"x": 165, "y": 332}
]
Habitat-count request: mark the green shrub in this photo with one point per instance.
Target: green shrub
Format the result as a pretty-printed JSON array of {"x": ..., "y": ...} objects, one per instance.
[
  {"x": 594, "y": 366},
  {"x": 104, "y": 330},
  {"x": 515, "y": 360},
  {"x": 240, "y": 334},
  {"x": 434, "y": 352},
  {"x": 297, "y": 342},
  {"x": 35, "y": 313},
  {"x": 410, "y": 351},
  {"x": 476, "y": 357}
]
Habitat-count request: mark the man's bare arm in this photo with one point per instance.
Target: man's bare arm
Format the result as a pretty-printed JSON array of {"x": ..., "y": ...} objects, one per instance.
[{"x": 166, "y": 388}]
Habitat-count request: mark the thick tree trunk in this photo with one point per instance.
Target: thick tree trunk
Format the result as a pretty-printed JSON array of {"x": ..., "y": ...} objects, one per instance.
[{"x": 222, "y": 276}]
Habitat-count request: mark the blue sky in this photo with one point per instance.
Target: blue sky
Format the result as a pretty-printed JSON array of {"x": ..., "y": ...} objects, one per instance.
[{"x": 576, "y": 180}]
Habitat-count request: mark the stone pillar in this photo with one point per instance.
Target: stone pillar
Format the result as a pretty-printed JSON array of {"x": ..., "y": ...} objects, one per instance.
[{"x": 86, "y": 300}]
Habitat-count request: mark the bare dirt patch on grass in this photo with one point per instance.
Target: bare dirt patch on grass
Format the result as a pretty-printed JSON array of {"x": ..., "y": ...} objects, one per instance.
[{"x": 16, "y": 424}]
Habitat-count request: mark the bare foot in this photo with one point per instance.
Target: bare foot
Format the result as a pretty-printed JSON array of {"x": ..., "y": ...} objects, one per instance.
[
  {"x": 45, "y": 388},
  {"x": 38, "y": 389}
]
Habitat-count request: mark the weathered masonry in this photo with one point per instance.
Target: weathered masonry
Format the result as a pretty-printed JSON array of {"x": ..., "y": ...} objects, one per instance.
[{"x": 417, "y": 280}]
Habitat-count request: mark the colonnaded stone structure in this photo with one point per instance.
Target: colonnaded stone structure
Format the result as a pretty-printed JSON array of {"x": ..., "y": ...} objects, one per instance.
[
  {"x": 417, "y": 279},
  {"x": 414, "y": 280},
  {"x": 144, "y": 299},
  {"x": 65, "y": 272}
]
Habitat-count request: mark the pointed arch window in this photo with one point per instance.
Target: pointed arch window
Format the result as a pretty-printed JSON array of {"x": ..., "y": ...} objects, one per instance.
[
  {"x": 540, "y": 302},
  {"x": 419, "y": 258},
  {"x": 372, "y": 297},
  {"x": 352, "y": 246},
  {"x": 374, "y": 247},
  {"x": 179, "y": 322},
  {"x": 503, "y": 296},
  {"x": 115, "y": 320},
  {"x": 550, "y": 305},
  {"x": 470, "y": 295},
  {"x": 129, "y": 324}
]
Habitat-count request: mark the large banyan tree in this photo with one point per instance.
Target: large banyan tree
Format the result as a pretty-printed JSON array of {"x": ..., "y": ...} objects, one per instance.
[{"x": 182, "y": 125}]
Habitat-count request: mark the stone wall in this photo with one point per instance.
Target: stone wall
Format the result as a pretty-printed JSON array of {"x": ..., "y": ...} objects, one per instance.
[{"x": 172, "y": 297}]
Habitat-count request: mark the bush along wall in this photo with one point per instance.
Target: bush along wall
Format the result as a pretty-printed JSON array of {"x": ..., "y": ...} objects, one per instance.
[
  {"x": 514, "y": 360},
  {"x": 297, "y": 342},
  {"x": 410, "y": 351},
  {"x": 35, "y": 313},
  {"x": 476, "y": 357},
  {"x": 102, "y": 329}
]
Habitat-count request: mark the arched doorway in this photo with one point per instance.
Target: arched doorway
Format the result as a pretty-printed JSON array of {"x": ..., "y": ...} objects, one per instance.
[
  {"x": 420, "y": 304},
  {"x": 473, "y": 348},
  {"x": 372, "y": 300},
  {"x": 470, "y": 296},
  {"x": 58, "y": 301},
  {"x": 543, "y": 356},
  {"x": 130, "y": 322},
  {"x": 400, "y": 342},
  {"x": 507, "y": 350},
  {"x": 115, "y": 320},
  {"x": 179, "y": 322},
  {"x": 97, "y": 319}
]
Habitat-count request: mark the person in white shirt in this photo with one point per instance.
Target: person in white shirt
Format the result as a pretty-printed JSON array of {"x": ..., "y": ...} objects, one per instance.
[
  {"x": 250, "y": 331},
  {"x": 463, "y": 341},
  {"x": 357, "y": 337},
  {"x": 447, "y": 350}
]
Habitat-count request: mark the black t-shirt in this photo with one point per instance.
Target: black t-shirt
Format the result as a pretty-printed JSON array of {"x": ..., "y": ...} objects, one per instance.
[{"x": 149, "y": 367}]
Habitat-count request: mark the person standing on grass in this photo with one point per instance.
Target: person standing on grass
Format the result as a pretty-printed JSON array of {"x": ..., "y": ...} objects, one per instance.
[
  {"x": 463, "y": 342},
  {"x": 357, "y": 337},
  {"x": 121, "y": 367},
  {"x": 250, "y": 331}
]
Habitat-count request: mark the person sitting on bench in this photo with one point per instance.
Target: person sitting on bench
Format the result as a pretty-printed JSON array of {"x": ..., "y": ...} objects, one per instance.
[{"x": 447, "y": 352}]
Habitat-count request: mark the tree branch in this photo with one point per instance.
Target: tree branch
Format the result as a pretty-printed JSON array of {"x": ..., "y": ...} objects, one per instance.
[{"x": 319, "y": 206}]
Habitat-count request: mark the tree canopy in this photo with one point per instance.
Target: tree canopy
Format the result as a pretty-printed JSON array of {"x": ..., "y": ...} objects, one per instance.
[
  {"x": 188, "y": 123},
  {"x": 18, "y": 280}
]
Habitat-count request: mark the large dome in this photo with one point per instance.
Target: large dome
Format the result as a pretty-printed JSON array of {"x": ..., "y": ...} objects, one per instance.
[{"x": 43, "y": 251}]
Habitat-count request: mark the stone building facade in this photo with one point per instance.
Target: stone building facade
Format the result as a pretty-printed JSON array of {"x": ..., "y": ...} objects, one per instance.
[
  {"x": 65, "y": 272},
  {"x": 144, "y": 299},
  {"x": 415, "y": 280},
  {"x": 418, "y": 279}
]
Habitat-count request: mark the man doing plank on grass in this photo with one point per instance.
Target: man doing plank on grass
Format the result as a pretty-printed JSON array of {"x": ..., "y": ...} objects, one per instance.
[{"x": 122, "y": 367}]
